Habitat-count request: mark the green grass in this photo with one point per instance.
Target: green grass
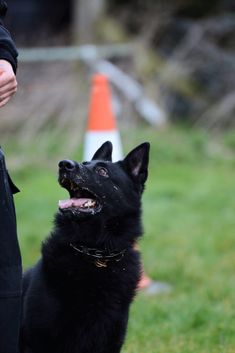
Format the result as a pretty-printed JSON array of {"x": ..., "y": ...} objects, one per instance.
[{"x": 189, "y": 242}]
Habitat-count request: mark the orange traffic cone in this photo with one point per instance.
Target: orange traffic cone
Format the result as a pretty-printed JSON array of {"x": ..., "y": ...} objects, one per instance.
[{"x": 101, "y": 121}]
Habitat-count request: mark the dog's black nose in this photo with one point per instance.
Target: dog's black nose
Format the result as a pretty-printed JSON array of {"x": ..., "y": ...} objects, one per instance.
[{"x": 67, "y": 164}]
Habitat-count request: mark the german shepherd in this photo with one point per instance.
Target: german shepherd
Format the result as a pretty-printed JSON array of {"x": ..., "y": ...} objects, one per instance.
[{"x": 76, "y": 299}]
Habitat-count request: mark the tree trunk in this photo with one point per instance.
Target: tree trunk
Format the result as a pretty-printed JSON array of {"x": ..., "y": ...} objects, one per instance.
[{"x": 85, "y": 16}]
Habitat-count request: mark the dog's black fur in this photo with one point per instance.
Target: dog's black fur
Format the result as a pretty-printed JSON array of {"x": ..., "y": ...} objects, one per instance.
[{"x": 77, "y": 297}]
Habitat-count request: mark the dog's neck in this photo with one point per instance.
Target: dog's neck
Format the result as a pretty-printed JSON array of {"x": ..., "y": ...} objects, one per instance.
[
  {"x": 113, "y": 234},
  {"x": 108, "y": 245}
]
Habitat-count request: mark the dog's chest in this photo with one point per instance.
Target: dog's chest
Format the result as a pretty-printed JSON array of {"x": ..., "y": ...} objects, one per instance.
[{"x": 88, "y": 318}]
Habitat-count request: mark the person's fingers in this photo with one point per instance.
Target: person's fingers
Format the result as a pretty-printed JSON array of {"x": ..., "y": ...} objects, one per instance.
[
  {"x": 6, "y": 78},
  {"x": 9, "y": 87},
  {"x": 3, "y": 102},
  {"x": 7, "y": 95},
  {"x": 6, "y": 83}
]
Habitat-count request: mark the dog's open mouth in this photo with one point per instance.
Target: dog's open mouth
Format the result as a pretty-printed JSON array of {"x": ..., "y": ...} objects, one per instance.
[{"x": 81, "y": 198}]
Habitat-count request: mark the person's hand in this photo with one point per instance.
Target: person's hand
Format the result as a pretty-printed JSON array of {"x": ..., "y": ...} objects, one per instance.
[{"x": 8, "y": 83}]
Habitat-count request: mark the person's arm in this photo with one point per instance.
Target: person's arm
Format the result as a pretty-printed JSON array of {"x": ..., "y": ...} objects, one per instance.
[{"x": 8, "y": 61}]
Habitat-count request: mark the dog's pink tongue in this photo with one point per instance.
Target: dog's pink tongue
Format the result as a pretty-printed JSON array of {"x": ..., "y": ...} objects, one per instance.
[{"x": 72, "y": 203}]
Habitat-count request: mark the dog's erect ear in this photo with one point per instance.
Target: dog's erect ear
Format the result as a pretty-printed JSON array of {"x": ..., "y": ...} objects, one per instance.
[
  {"x": 104, "y": 153},
  {"x": 137, "y": 161}
]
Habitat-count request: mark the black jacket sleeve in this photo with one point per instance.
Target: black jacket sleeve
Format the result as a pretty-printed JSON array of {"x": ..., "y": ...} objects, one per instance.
[{"x": 7, "y": 47}]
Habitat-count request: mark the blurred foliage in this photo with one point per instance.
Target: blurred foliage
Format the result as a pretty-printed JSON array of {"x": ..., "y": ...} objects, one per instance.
[
  {"x": 135, "y": 13},
  {"x": 193, "y": 45}
]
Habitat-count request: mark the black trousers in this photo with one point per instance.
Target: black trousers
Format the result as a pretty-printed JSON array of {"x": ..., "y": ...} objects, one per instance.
[{"x": 10, "y": 265}]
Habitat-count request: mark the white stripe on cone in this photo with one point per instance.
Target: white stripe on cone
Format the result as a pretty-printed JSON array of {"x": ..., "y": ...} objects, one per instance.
[{"x": 94, "y": 139}]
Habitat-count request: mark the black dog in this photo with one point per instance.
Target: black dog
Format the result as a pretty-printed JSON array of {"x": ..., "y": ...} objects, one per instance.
[{"x": 77, "y": 297}]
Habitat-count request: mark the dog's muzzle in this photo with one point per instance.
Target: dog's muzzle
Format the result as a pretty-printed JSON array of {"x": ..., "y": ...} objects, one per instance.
[{"x": 82, "y": 199}]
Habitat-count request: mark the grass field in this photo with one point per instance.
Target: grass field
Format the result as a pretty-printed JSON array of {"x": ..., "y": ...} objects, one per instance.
[{"x": 189, "y": 242}]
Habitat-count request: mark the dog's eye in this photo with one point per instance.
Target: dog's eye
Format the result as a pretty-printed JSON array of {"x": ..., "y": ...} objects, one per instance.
[{"x": 103, "y": 172}]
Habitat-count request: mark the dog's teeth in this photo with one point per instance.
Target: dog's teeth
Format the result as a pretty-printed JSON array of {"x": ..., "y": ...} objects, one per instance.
[{"x": 89, "y": 203}]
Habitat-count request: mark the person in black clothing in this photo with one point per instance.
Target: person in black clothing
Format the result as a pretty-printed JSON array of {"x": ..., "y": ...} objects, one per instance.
[
  {"x": 10, "y": 258},
  {"x": 8, "y": 61}
]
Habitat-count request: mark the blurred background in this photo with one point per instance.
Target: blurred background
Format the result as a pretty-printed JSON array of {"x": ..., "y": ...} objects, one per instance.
[
  {"x": 171, "y": 65},
  {"x": 182, "y": 52}
]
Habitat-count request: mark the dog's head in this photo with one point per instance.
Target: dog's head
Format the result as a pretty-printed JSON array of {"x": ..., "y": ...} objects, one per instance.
[{"x": 100, "y": 187}]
